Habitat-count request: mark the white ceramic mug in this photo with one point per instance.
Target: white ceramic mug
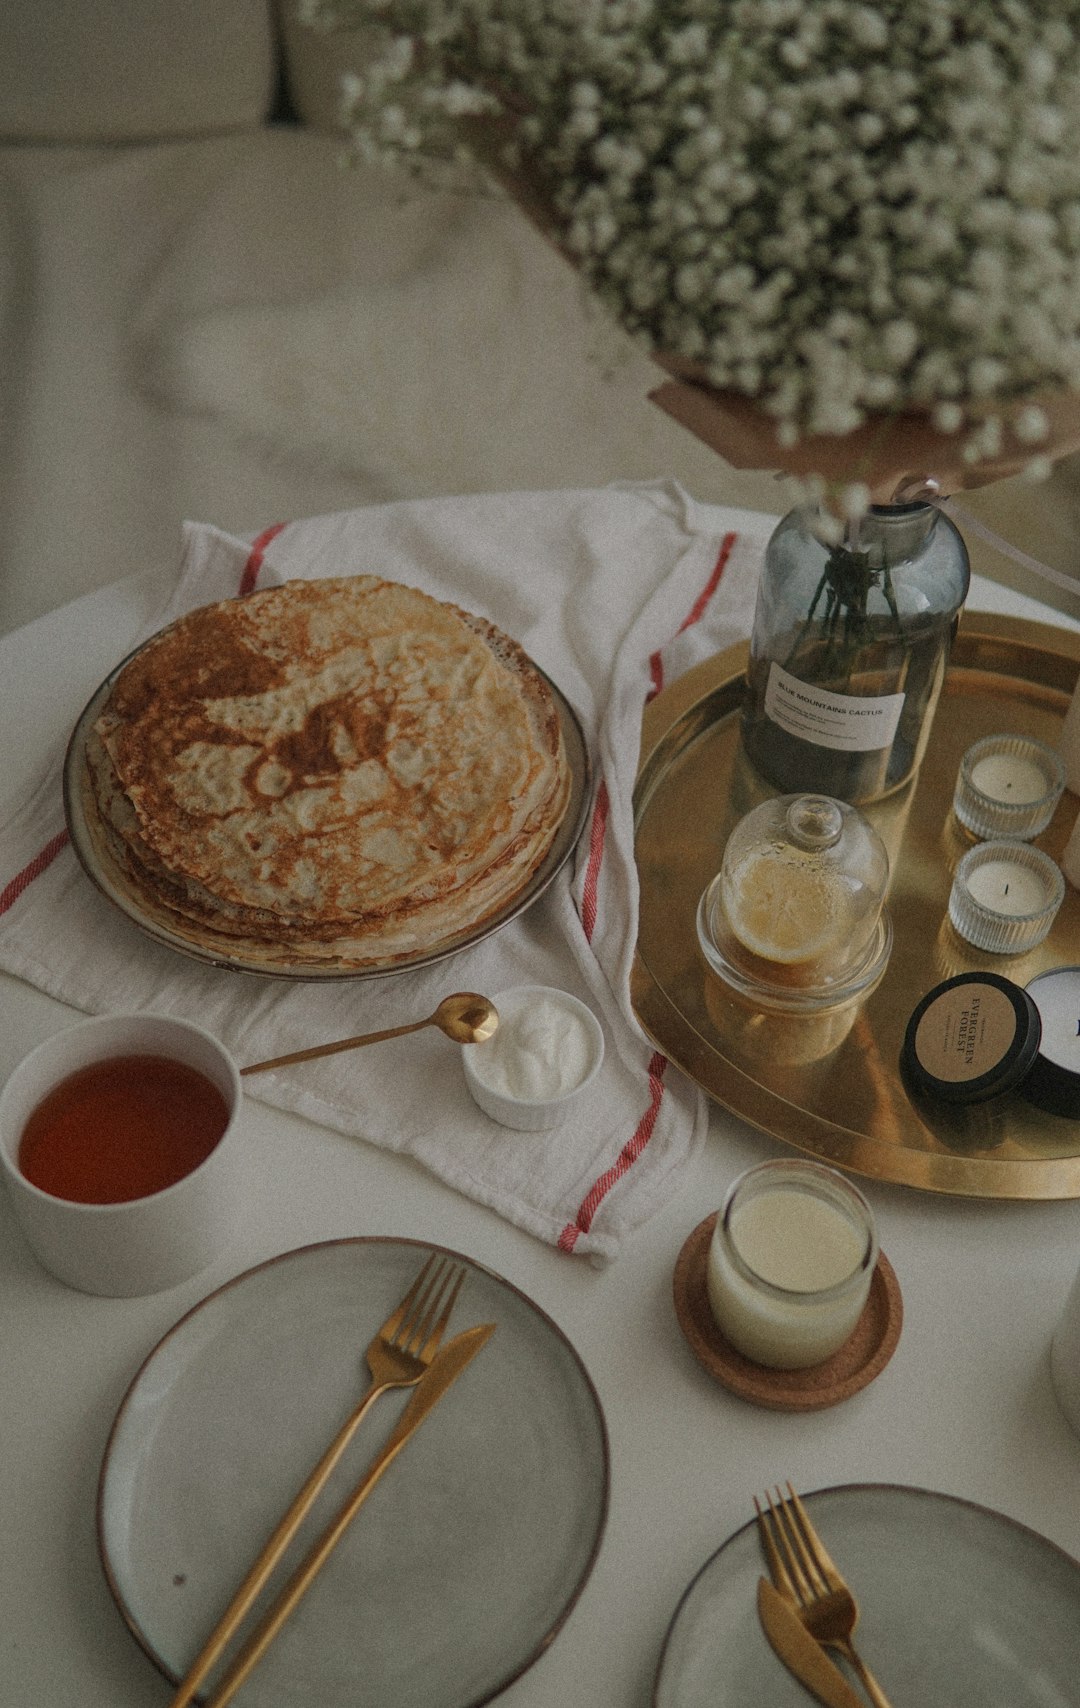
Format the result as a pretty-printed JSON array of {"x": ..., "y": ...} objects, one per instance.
[
  {"x": 1065, "y": 1357},
  {"x": 141, "y": 1245}
]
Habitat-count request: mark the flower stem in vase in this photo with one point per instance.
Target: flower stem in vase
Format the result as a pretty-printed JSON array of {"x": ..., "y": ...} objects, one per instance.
[{"x": 845, "y": 583}]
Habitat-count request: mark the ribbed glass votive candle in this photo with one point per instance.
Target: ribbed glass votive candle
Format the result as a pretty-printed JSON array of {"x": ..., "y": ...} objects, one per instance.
[
  {"x": 1008, "y": 786},
  {"x": 1005, "y": 896}
]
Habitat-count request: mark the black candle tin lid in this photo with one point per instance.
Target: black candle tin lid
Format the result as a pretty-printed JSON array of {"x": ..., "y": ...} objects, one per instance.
[
  {"x": 1054, "y": 1081},
  {"x": 971, "y": 1038}
]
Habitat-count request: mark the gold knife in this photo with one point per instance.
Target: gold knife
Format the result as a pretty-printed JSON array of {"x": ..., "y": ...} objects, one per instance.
[
  {"x": 801, "y": 1653},
  {"x": 440, "y": 1375}
]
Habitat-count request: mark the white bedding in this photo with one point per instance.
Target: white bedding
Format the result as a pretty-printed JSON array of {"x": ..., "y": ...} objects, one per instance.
[{"x": 236, "y": 329}]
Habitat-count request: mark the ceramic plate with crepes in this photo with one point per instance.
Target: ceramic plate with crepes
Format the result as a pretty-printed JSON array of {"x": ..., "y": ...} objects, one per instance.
[{"x": 328, "y": 777}]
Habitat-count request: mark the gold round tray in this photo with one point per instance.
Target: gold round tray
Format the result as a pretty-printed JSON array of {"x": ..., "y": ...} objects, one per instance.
[{"x": 832, "y": 1086}]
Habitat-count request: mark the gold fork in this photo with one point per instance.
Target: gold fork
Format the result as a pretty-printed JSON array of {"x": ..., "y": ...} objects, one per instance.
[
  {"x": 802, "y": 1571},
  {"x": 397, "y": 1357}
]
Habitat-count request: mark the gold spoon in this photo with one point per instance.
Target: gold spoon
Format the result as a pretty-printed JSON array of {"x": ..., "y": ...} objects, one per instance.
[{"x": 465, "y": 1017}]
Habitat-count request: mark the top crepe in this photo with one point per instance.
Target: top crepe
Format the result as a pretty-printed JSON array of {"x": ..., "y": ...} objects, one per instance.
[{"x": 347, "y": 766}]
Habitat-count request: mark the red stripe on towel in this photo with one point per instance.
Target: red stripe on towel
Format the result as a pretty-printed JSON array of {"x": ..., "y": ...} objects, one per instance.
[
  {"x": 255, "y": 557},
  {"x": 695, "y": 613},
  {"x": 624, "y": 1161},
  {"x": 597, "y": 834},
  {"x": 33, "y": 869},
  {"x": 589, "y": 905}
]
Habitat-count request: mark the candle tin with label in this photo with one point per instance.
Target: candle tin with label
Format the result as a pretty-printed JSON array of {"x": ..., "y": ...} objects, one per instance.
[
  {"x": 979, "y": 1036},
  {"x": 972, "y": 1038},
  {"x": 1054, "y": 1081}
]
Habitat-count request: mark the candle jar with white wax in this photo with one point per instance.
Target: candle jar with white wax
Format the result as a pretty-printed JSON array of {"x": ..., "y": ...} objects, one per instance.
[
  {"x": 1005, "y": 897},
  {"x": 790, "y": 1263},
  {"x": 1008, "y": 786}
]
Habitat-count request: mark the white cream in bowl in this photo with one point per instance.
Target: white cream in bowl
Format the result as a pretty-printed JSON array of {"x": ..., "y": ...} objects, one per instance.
[{"x": 547, "y": 1048}]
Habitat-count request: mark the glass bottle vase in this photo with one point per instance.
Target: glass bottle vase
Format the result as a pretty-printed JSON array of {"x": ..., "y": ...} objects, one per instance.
[{"x": 849, "y": 648}]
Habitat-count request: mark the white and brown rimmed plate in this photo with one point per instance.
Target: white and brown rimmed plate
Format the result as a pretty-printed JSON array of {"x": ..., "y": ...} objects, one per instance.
[
  {"x": 469, "y": 1554},
  {"x": 289, "y": 959},
  {"x": 959, "y": 1607}
]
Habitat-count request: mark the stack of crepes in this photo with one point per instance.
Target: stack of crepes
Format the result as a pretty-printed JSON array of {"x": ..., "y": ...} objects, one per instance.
[{"x": 344, "y": 771}]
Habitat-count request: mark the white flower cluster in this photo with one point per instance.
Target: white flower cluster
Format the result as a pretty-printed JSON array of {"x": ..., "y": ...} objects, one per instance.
[{"x": 833, "y": 206}]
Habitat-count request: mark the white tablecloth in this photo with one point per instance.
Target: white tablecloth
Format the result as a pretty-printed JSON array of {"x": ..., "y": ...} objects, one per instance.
[{"x": 964, "y": 1407}]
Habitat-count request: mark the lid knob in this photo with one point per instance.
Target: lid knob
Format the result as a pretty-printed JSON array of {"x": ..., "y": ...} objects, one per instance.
[{"x": 814, "y": 821}]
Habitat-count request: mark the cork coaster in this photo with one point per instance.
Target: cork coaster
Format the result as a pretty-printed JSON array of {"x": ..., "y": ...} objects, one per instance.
[{"x": 863, "y": 1355}]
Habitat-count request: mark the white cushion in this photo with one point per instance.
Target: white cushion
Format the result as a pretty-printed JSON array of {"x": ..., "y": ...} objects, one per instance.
[{"x": 124, "y": 70}]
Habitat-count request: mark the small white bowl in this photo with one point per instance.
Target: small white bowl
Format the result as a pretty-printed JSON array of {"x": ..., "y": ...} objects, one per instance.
[
  {"x": 521, "y": 1013},
  {"x": 140, "y": 1245}
]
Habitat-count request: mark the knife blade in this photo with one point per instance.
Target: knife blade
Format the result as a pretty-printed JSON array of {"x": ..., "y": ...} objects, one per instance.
[
  {"x": 801, "y": 1653},
  {"x": 440, "y": 1375}
]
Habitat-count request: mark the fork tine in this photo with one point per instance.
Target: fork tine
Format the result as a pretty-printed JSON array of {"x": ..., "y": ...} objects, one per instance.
[
  {"x": 431, "y": 1342},
  {"x": 799, "y": 1560},
  {"x": 777, "y": 1570},
  {"x": 395, "y": 1320},
  {"x": 419, "y": 1306},
  {"x": 821, "y": 1560},
  {"x": 422, "y": 1331}
]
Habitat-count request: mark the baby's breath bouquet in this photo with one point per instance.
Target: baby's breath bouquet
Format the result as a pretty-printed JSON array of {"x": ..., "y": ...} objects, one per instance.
[{"x": 847, "y": 230}]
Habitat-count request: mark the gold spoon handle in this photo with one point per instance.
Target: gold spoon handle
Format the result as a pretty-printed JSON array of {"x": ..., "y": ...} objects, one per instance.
[{"x": 332, "y": 1049}]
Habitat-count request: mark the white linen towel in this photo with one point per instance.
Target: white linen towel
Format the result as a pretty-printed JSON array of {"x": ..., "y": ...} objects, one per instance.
[{"x": 613, "y": 593}]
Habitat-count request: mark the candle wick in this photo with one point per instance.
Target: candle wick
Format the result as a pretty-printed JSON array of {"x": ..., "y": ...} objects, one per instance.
[{"x": 1006, "y": 889}]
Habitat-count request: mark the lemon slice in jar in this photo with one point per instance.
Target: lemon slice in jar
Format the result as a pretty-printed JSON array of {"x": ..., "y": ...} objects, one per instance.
[{"x": 784, "y": 908}]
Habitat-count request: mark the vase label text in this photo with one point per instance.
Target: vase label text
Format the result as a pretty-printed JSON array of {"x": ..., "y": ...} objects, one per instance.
[{"x": 851, "y": 723}]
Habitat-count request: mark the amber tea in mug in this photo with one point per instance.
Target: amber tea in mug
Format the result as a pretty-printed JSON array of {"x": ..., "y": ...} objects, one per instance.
[{"x": 122, "y": 1128}]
